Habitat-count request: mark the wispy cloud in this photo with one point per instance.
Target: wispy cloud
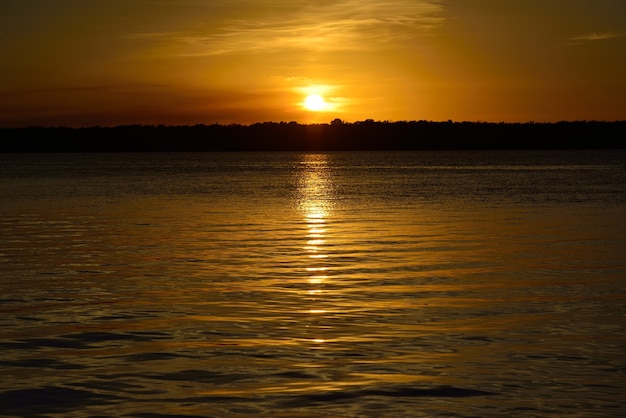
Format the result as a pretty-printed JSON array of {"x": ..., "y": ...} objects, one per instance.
[
  {"x": 597, "y": 36},
  {"x": 314, "y": 26}
]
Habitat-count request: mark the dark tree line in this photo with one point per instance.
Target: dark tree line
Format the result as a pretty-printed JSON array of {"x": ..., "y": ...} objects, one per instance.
[{"x": 338, "y": 135}]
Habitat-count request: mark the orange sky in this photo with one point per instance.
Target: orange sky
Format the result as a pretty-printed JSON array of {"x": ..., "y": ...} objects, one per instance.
[{"x": 110, "y": 62}]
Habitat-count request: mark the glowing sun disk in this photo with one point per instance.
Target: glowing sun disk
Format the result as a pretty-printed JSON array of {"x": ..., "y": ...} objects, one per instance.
[{"x": 315, "y": 102}]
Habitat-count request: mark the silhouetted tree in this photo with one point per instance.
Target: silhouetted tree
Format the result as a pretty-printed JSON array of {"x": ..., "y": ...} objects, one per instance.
[{"x": 337, "y": 135}]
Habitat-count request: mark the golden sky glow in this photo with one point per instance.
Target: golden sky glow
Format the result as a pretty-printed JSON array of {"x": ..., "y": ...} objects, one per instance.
[{"x": 84, "y": 63}]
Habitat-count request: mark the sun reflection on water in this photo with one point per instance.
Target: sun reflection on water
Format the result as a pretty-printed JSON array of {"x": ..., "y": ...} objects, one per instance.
[
  {"x": 315, "y": 194},
  {"x": 315, "y": 204}
]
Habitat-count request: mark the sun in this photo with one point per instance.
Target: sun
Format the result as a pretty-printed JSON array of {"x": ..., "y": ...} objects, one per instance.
[{"x": 315, "y": 102}]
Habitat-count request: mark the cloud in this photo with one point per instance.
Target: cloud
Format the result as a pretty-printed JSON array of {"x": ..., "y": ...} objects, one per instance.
[
  {"x": 316, "y": 26},
  {"x": 595, "y": 36}
]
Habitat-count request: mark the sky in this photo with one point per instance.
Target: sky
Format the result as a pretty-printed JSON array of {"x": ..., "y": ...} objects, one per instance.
[{"x": 185, "y": 62}]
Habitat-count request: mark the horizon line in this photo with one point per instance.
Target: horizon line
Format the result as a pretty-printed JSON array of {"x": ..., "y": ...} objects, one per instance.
[{"x": 333, "y": 122}]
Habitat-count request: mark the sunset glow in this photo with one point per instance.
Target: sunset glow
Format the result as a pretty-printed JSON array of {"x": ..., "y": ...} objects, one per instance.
[
  {"x": 315, "y": 102},
  {"x": 248, "y": 61}
]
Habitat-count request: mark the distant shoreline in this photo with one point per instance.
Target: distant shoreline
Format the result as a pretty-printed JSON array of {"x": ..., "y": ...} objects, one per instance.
[{"x": 335, "y": 136}]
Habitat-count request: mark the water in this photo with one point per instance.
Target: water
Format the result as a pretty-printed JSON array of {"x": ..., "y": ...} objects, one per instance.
[{"x": 313, "y": 285}]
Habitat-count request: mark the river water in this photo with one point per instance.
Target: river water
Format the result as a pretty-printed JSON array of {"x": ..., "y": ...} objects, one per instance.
[{"x": 406, "y": 284}]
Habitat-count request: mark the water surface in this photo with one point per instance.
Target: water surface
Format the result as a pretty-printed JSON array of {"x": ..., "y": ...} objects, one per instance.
[{"x": 296, "y": 285}]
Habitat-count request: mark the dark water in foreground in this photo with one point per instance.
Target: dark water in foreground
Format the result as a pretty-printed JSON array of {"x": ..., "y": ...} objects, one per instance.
[{"x": 481, "y": 284}]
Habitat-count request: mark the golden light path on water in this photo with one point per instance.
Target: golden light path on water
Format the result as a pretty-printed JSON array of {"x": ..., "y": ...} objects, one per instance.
[{"x": 315, "y": 205}]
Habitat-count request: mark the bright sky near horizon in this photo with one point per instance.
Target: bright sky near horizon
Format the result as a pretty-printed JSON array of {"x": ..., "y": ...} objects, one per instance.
[{"x": 176, "y": 62}]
